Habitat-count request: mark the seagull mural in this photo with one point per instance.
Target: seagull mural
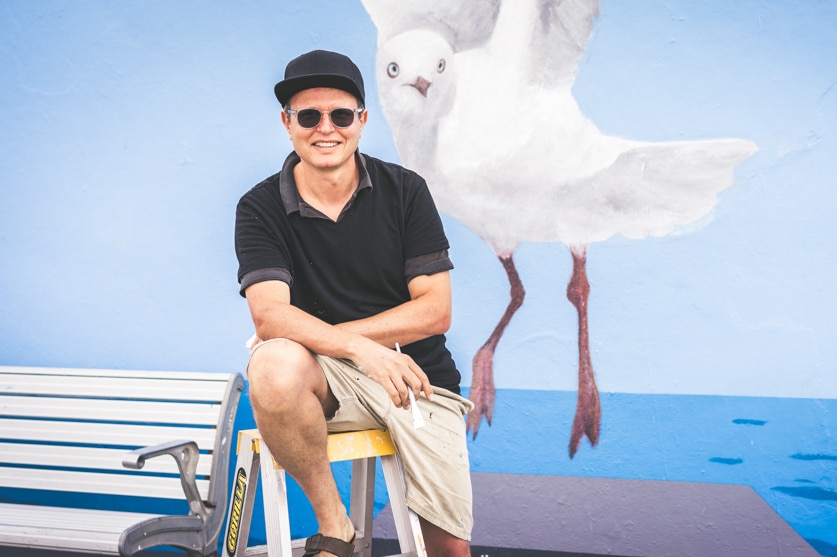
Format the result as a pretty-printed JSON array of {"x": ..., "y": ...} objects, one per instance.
[{"x": 483, "y": 108}]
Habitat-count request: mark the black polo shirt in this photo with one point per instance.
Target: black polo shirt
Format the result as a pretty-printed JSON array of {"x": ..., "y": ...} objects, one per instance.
[{"x": 388, "y": 233}]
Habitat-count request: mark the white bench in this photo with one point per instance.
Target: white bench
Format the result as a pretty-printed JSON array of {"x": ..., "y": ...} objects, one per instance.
[{"x": 94, "y": 433}]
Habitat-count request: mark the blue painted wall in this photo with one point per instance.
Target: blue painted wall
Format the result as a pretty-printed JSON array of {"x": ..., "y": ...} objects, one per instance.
[{"x": 130, "y": 130}]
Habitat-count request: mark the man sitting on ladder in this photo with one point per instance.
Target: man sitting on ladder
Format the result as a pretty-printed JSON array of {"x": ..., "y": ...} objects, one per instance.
[{"x": 342, "y": 258}]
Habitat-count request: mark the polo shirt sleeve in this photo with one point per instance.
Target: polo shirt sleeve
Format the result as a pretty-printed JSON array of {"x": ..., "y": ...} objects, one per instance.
[
  {"x": 428, "y": 264},
  {"x": 427, "y": 245},
  {"x": 259, "y": 245}
]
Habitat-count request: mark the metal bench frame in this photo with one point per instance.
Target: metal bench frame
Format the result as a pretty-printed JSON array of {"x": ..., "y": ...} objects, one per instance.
[{"x": 98, "y": 432}]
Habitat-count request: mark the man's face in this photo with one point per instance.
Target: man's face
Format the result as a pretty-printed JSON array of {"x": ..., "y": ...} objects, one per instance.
[{"x": 325, "y": 146}]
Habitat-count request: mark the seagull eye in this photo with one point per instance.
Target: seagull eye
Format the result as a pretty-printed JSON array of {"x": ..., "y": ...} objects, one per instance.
[
  {"x": 440, "y": 67},
  {"x": 392, "y": 69}
]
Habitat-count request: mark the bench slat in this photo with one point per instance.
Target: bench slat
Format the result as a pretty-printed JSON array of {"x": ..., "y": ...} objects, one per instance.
[
  {"x": 126, "y": 435},
  {"x": 85, "y": 372},
  {"x": 112, "y": 387},
  {"x": 93, "y": 520},
  {"x": 95, "y": 409},
  {"x": 91, "y": 458},
  {"x": 89, "y": 482},
  {"x": 55, "y": 527}
]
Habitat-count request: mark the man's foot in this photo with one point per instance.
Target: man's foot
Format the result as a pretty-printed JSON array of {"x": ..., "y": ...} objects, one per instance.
[
  {"x": 319, "y": 544},
  {"x": 324, "y": 546}
]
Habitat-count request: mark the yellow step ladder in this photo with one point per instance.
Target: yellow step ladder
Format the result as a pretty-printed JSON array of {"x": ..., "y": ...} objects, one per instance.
[{"x": 361, "y": 447}]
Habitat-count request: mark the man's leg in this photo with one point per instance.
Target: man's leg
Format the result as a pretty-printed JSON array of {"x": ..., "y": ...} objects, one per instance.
[
  {"x": 440, "y": 543},
  {"x": 291, "y": 400}
]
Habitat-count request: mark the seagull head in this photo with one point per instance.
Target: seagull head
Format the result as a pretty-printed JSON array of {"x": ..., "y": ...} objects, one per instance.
[{"x": 416, "y": 75}]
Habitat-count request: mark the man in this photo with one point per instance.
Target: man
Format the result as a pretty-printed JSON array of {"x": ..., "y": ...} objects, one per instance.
[{"x": 342, "y": 258}]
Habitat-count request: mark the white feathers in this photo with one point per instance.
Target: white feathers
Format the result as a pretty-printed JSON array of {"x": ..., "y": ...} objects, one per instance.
[
  {"x": 463, "y": 24},
  {"x": 505, "y": 149}
]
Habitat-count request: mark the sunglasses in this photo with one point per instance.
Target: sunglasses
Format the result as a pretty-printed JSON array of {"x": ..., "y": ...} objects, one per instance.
[{"x": 310, "y": 117}]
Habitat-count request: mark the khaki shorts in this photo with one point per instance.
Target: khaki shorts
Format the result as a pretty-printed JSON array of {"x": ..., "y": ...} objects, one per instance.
[{"x": 435, "y": 456}]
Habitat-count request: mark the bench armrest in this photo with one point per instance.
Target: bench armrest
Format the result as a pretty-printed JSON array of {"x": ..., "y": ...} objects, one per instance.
[{"x": 186, "y": 454}]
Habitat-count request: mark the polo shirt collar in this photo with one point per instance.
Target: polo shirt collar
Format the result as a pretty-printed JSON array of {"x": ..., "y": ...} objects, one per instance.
[{"x": 290, "y": 194}]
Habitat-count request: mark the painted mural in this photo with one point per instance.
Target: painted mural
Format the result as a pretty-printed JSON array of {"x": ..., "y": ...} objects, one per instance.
[
  {"x": 654, "y": 178},
  {"x": 499, "y": 136}
]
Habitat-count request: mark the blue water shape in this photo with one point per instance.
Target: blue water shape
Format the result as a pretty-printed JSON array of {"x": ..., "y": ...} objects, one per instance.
[
  {"x": 747, "y": 421},
  {"x": 722, "y": 460},
  {"x": 814, "y": 457},
  {"x": 817, "y": 493}
]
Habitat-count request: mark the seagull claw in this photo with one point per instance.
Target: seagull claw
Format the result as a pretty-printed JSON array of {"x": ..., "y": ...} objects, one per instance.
[
  {"x": 588, "y": 414},
  {"x": 482, "y": 390}
]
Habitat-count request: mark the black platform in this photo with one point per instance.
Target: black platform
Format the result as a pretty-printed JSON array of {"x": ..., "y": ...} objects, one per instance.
[{"x": 539, "y": 516}]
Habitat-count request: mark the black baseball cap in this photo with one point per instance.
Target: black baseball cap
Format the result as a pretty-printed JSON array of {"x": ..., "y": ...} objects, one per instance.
[{"x": 320, "y": 68}]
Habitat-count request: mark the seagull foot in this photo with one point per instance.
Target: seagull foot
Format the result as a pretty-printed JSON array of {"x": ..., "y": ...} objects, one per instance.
[
  {"x": 482, "y": 390},
  {"x": 588, "y": 417}
]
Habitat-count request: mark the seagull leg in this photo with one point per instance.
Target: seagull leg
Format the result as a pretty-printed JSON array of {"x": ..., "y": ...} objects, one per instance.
[
  {"x": 482, "y": 382},
  {"x": 588, "y": 410}
]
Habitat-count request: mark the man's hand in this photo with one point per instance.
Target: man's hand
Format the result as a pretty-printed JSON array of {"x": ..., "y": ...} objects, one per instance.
[{"x": 395, "y": 371}]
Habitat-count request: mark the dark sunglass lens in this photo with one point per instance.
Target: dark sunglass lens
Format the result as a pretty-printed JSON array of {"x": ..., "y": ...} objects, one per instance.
[
  {"x": 342, "y": 117},
  {"x": 308, "y": 117}
]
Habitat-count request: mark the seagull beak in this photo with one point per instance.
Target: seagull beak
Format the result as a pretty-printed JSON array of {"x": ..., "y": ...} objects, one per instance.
[{"x": 422, "y": 85}]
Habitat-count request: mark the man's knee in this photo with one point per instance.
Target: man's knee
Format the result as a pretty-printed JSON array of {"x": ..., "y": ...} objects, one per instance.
[{"x": 281, "y": 369}]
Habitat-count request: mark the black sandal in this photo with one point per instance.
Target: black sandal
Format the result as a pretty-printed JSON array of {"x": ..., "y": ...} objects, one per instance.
[{"x": 318, "y": 543}]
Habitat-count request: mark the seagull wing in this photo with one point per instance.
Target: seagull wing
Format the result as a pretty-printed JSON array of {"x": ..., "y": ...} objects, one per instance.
[
  {"x": 651, "y": 190},
  {"x": 464, "y": 24},
  {"x": 560, "y": 37},
  {"x": 539, "y": 42}
]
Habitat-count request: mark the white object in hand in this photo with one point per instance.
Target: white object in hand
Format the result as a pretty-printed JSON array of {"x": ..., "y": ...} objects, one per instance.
[{"x": 418, "y": 420}]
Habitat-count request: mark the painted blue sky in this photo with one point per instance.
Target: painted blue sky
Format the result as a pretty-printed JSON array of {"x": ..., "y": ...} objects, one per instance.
[{"x": 130, "y": 129}]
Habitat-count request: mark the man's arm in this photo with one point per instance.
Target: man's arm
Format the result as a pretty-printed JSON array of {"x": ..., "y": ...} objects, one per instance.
[
  {"x": 427, "y": 313},
  {"x": 366, "y": 342}
]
